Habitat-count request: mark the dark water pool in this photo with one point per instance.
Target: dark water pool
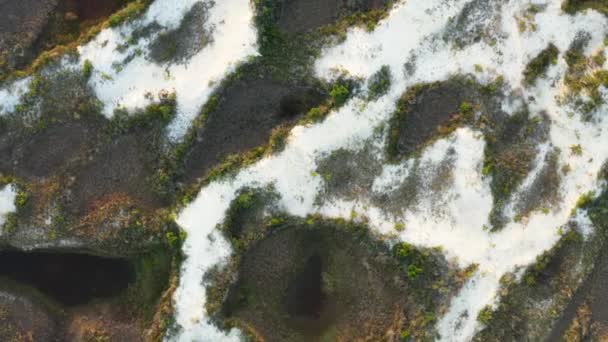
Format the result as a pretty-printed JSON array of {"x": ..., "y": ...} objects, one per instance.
[{"x": 69, "y": 278}]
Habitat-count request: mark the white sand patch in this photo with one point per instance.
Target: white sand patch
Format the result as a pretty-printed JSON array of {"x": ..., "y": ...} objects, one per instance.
[
  {"x": 234, "y": 40},
  {"x": 7, "y": 203},
  {"x": 583, "y": 223},
  {"x": 11, "y": 94},
  {"x": 412, "y": 30}
]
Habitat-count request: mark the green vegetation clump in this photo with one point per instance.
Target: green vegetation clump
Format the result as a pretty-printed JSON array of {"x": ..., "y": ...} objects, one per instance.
[
  {"x": 584, "y": 201},
  {"x": 152, "y": 271},
  {"x": 585, "y": 77},
  {"x": 538, "y": 65},
  {"x": 485, "y": 315},
  {"x": 340, "y": 94},
  {"x": 130, "y": 12},
  {"x": 576, "y": 150},
  {"x": 415, "y": 261},
  {"x": 87, "y": 69},
  {"x": 158, "y": 113},
  {"x": 22, "y": 198},
  {"x": 380, "y": 82}
]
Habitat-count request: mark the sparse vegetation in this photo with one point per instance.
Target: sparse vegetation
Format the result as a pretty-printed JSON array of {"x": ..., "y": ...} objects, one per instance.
[
  {"x": 525, "y": 21},
  {"x": 485, "y": 315},
  {"x": 158, "y": 113},
  {"x": 576, "y": 150},
  {"x": 87, "y": 69},
  {"x": 380, "y": 82},
  {"x": 538, "y": 65},
  {"x": 130, "y": 12},
  {"x": 340, "y": 94}
]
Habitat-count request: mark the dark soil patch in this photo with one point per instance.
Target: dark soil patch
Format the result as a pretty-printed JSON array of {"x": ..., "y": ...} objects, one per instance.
[
  {"x": 92, "y": 9},
  {"x": 296, "y": 16},
  {"x": 479, "y": 20},
  {"x": 592, "y": 290},
  {"x": 305, "y": 295},
  {"x": 43, "y": 154},
  {"x": 56, "y": 296},
  {"x": 69, "y": 278},
  {"x": 124, "y": 165},
  {"x": 21, "y": 23},
  {"x": 311, "y": 283},
  {"x": 247, "y": 112},
  {"x": 424, "y": 111},
  {"x": 543, "y": 192}
]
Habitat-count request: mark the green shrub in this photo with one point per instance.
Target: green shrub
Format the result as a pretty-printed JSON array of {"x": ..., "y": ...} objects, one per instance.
[
  {"x": 403, "y": 250},
  {"x": 340, "y": 94},
  {"x": 245, "y": 200},
  {"x": 380, "y": 82},
  {"x": 399, "y": 226},
  {"x": 485, "y": 315},
  {"x": 576, "y": 150},
  {"x": 413, "y": 271},
  {"x": 87, "y": 69},
  {"x": 22, "y": 198},
  {"x": 538, "y": 65}
]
